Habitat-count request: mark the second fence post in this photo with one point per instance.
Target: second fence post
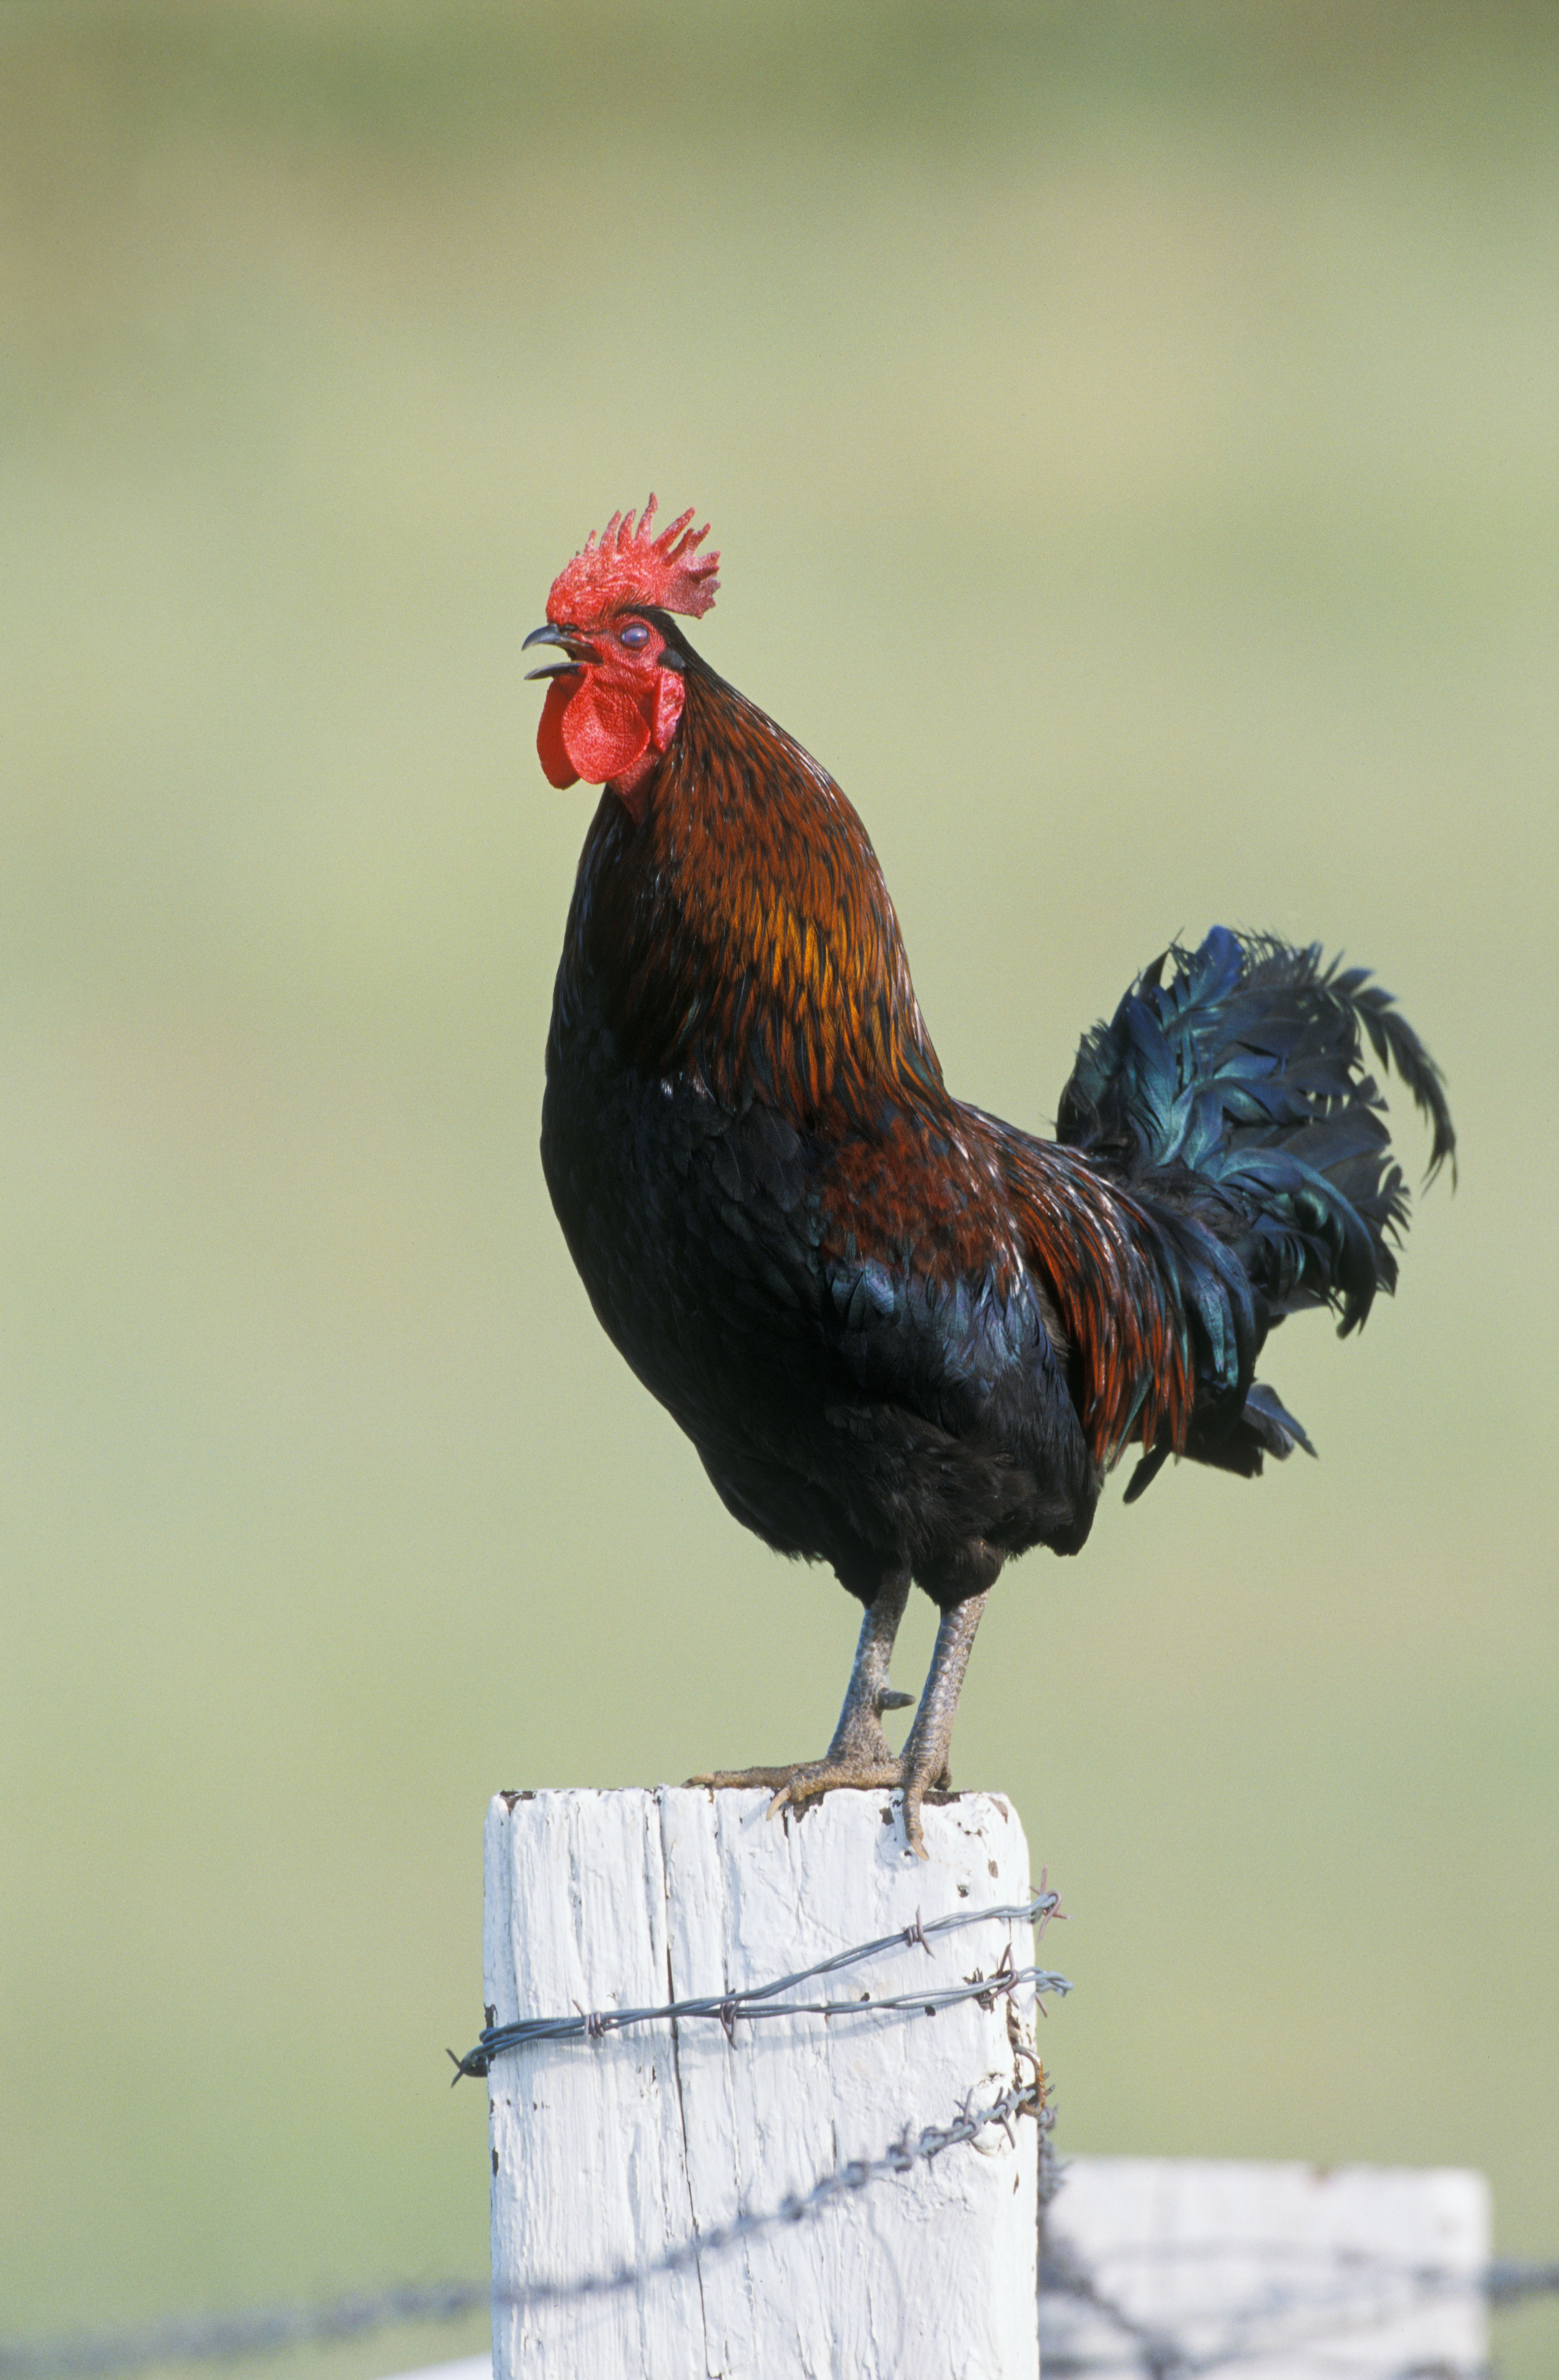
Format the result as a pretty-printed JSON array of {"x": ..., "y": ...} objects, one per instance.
[{"x": 636, "y": 2148}]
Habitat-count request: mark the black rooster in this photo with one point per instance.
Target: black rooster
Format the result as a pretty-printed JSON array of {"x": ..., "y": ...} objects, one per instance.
[{"x": 906, "y": 1337}]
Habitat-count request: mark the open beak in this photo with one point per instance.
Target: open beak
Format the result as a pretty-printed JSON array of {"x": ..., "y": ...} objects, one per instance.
[{"x": 578, "y": 649}]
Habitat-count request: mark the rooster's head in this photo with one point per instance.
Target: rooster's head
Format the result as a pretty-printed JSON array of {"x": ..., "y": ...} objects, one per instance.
[{"x": 613, "y": 705}]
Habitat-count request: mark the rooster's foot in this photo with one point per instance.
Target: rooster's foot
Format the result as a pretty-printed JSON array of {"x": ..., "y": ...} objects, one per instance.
[
  {"x": 859, "y": 1754},
  {"x": 867, "y": 1769},
  {"x": 810, "y": 1783}
]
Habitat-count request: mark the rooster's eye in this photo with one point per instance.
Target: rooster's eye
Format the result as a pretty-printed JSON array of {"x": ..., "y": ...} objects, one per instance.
[{"x": 634, "y": 635}]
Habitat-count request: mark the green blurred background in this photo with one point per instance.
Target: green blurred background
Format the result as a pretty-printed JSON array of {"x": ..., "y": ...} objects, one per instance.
[{"x": 1134, "y": 438}]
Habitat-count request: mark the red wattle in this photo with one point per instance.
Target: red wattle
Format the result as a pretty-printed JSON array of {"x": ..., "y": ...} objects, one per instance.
[
  {"x": 560, "y": 770},
  {"x": 604, "y": 730}
]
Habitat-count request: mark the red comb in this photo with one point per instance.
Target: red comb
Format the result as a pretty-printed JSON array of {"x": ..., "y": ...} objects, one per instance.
[{"x": 627, "y": 565}]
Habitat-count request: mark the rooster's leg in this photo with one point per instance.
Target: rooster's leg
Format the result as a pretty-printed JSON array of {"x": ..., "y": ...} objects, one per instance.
[
  {"x": 859, "y": 1753},
  {"x": 925, "y": 1752},
  {"x": 923, "y": 1762},
  {"x": 859, "y": 1738}
]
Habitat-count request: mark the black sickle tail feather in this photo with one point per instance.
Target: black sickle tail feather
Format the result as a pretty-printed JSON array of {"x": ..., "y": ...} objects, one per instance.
[{"x": 1235, "y": 1096}]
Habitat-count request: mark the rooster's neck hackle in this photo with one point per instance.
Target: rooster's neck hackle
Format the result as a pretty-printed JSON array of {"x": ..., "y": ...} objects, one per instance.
[
  {"x": 738, "y": 935},
  {"x": 743, "y": 931}
]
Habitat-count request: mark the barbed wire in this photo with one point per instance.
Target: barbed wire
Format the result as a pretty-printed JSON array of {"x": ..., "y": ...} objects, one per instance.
[
  {"x": 1343, "y": 2293},
  {"x": 225, "y": 2338},
  {"x": 1159, "y": 2354},
  {"x": 1509, "y": 2279},
  {"x": 758, "y": 2001},
  {"x": 798, "y": 2206},
  {"x": 269, "y": 2330}
]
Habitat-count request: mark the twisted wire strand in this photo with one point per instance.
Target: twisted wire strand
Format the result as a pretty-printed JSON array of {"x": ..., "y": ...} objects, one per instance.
[
  {"x": 1335, "y": 2296},
  {"x": 268, "y": 2330},
  {"x": 224, "y": 2339},
  {"x": 759, "y": 2001}
]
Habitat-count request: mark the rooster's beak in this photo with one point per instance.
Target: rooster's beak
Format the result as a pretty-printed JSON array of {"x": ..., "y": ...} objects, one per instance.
[{"x": 578, "y": 649}]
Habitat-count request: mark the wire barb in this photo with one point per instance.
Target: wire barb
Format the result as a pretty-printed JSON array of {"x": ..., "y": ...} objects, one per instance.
[
  {"x": 763, "y": 2000},
  {"x": 916, "y": 1933}
]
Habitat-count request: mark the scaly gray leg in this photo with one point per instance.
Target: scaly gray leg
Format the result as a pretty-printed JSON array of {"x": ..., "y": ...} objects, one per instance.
[
  {"x": 925, "y": 1754},
  {"x": 859, "y": 1753}
]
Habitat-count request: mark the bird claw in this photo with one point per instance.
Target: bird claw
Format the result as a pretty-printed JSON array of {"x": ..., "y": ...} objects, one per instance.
[
  {"x": 811, "y": 1782},
  {"x": 726, "y": 1779},
  {"x": 812, "y": 1778},
  {"x": 803, "y": 1782}
]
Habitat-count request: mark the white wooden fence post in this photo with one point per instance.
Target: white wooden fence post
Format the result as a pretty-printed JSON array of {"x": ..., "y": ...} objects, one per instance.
[
  {"x": 611, "y": 2152},
  {"x": 1267, "y": 2272}
]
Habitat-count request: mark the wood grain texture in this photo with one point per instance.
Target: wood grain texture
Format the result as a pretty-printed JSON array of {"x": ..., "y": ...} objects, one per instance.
[{"x": 614, "y": 2152}]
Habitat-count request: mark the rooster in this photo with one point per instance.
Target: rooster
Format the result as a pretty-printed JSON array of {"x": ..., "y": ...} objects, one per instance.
[{"x": 906, "y": 1337}]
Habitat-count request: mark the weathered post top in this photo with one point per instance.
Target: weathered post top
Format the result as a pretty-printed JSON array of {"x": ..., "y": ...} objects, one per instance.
[{"x": 644, "y": 2148}]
